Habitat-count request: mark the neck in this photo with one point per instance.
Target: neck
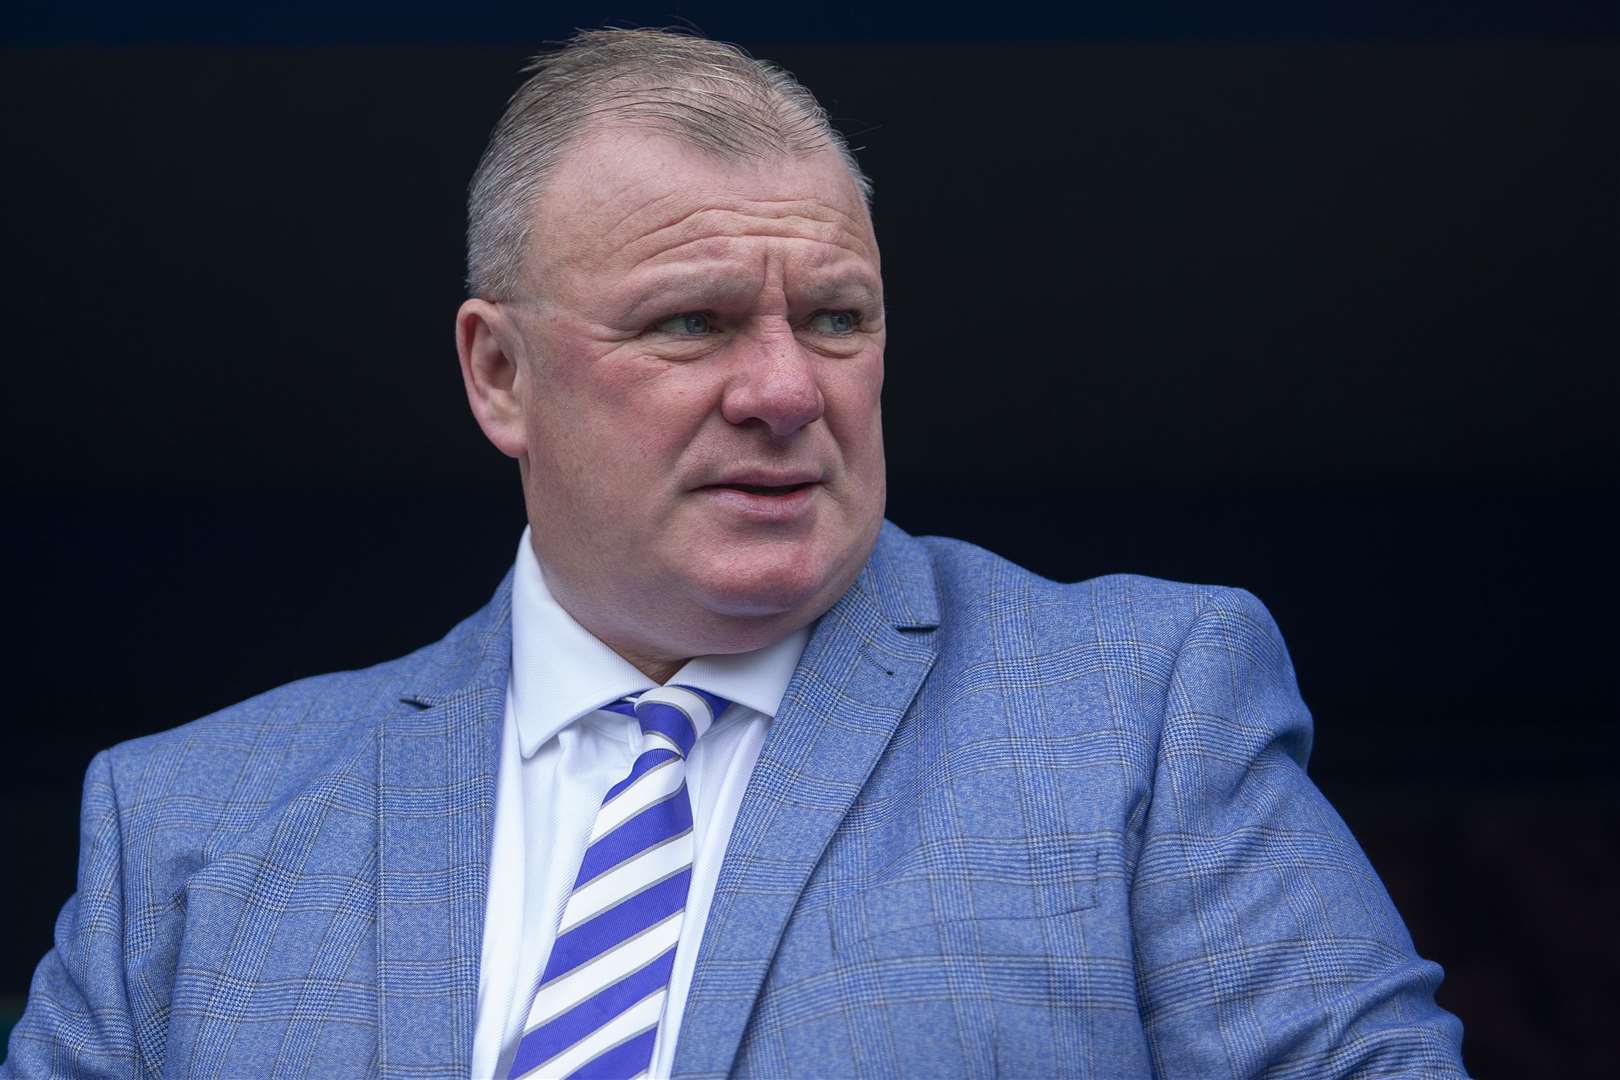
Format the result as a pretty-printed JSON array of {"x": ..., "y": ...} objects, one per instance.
[{"x": 659, "y": 671}]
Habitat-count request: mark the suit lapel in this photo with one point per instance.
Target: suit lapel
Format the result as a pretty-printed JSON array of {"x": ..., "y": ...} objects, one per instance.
[
  {"x": 863, "y": 665},
  {"x": 436, "y": 766}
]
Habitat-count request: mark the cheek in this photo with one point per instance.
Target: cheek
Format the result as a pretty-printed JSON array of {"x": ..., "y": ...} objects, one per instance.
[
  {"x": 854, "y": 410},
  {"x": 620, "y": 425},
  {"x": 572, "y": 424},
  {"x": 667, "y": 410}
]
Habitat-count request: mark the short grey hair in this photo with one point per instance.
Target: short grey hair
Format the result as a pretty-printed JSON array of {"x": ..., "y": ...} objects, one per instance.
[{"x": 709, "y": 94}]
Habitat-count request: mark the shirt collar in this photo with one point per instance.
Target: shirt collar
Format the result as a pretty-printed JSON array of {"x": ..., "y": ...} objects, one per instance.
[{"x": 561, "y": 671}]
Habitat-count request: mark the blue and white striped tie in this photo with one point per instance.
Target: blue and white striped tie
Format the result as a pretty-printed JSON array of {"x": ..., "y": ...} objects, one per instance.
[{"x": 599, "y": 1001}]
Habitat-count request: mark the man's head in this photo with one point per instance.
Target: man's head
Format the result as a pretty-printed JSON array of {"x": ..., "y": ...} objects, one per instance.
[{"x": 677, "y": 329}]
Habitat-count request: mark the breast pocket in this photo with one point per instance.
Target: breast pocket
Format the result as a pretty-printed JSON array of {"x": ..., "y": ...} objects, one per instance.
[{"x": 921, "y": 901}]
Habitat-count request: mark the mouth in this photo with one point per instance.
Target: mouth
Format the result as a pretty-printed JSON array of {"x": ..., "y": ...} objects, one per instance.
[
  {"x": 763, "y": 500},
  {"x": 763, "y": 489}
]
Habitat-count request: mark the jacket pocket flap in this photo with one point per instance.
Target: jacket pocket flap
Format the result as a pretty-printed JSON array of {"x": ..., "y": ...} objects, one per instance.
[{"x": 970, "y": 879}]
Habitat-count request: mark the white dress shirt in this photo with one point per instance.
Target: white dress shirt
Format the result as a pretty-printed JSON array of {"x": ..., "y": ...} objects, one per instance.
[{"x": 559, "y": 755}]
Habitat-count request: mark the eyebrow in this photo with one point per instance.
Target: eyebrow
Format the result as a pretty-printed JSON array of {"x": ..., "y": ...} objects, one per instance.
[
  {"x": 672, "y": 290},
  {"x": 842, "y": 288}
]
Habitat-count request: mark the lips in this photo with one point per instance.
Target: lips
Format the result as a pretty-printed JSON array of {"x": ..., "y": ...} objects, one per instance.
[
  {"x": 765, "y": 489},
  {"x": 764, "y": 497},
  {"x": 764, "y": 481}
]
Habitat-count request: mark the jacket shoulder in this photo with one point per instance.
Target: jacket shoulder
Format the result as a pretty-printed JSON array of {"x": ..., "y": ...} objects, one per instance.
[
  {"x": 989, "y": 589},
  {"x": 258, "y": 752},
  {"x": 1106, "y": 652}
]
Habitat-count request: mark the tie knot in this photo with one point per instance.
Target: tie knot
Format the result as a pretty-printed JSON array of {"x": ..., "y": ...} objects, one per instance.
[{"x": 678, "y": 715}]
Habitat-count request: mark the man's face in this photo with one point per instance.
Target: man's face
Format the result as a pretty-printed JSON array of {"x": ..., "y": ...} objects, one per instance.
[{"x": 703, "y": 453}]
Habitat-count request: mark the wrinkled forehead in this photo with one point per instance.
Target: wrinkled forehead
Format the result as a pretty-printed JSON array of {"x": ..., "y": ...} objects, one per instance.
[{"x": 615, "y": 188}]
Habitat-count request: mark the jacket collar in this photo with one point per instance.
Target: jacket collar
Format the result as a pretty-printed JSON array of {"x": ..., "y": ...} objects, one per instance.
[
  {"x": 477, "y": 654},
  {"x": 898, "y": 582}
]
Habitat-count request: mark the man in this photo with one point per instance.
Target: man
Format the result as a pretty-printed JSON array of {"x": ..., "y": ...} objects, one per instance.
[{"x": 730, "y": 776}]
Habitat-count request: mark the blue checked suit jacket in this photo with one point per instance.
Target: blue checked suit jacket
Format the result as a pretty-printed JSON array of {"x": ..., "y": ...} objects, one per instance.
[{"x": 1000, "y": 826}]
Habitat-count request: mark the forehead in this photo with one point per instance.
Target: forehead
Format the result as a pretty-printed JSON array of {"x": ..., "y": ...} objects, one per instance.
[{"x": 622, "y": 196}]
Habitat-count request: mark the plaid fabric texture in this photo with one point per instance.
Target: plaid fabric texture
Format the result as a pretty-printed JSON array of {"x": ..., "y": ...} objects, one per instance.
[{"x": 1000, "y": 827}]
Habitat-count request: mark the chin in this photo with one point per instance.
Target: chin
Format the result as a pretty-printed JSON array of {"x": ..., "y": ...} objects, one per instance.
[
  {"x": 773, "y": 584},
  {"x": 761, "y": 595}
]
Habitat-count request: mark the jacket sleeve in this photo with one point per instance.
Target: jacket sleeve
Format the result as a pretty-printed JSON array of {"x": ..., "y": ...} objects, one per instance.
[
  {"x": 1265, "y": 944},
  {"x": 77, "y": 1022}
]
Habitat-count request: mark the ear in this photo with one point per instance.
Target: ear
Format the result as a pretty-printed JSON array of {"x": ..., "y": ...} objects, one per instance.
[{"x": 490, "y": 348}]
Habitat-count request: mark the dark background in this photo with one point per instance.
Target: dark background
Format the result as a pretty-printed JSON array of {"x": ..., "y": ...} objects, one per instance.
[{"x": 1319, "y": 303}]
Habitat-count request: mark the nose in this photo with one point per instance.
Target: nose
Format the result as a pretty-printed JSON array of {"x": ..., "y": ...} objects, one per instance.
[{"x": 774, "y": 386}]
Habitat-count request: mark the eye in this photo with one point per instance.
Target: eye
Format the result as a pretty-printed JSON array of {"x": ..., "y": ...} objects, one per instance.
[
  {"x": 837, "y": 323},
  {"x": 690, "y": 324}
]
